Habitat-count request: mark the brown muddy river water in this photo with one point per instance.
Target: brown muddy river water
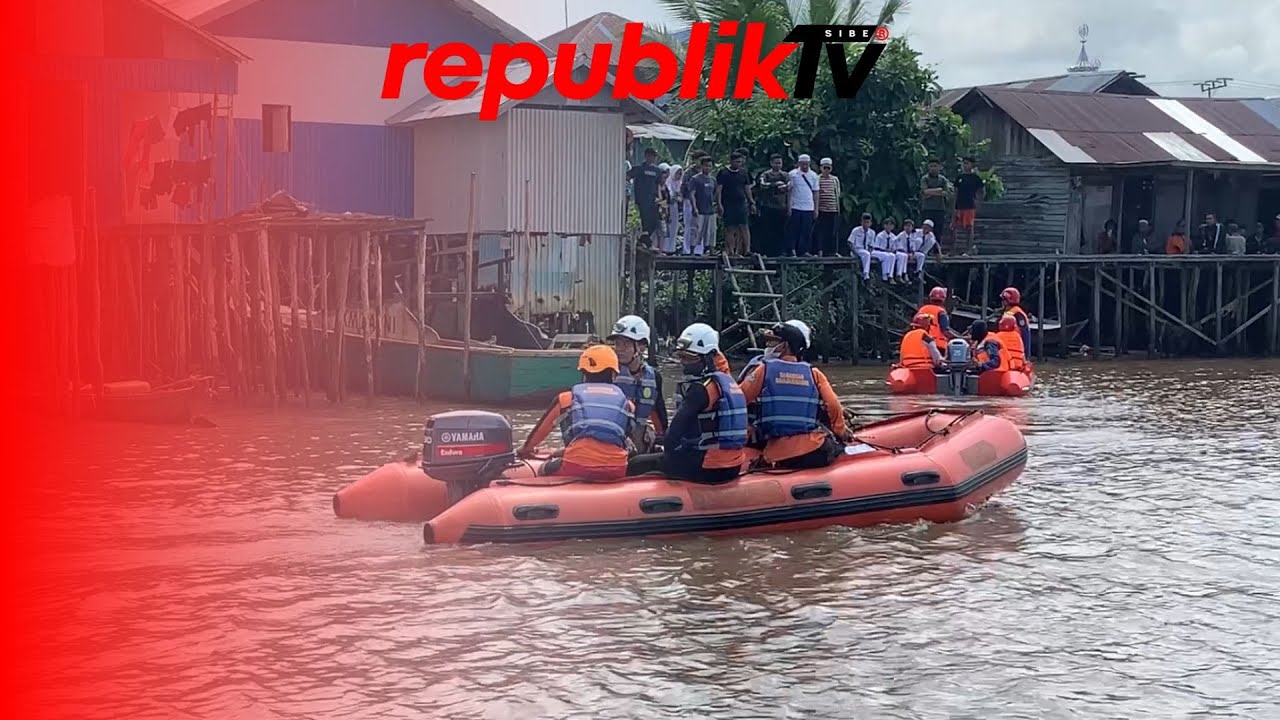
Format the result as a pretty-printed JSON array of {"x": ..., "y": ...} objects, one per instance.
[{"x": 1132, "y": 572}]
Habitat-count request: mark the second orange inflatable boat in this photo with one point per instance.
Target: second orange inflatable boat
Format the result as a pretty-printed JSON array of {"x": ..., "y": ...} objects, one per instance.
[
  {"x": 938, "y": 466},
  {"x": 997, "y": 383}
]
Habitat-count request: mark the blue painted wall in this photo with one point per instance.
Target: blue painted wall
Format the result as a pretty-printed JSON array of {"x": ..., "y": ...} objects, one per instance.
[
  {"x": 332, "y": 167},
  {"x": 356, "y": 22}
]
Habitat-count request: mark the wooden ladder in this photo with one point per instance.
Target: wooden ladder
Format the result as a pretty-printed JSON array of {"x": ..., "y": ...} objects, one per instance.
[{"x": 767, "y": 314}]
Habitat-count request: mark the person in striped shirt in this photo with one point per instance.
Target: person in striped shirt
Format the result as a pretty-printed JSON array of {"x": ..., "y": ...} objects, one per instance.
[{"x": 828, "y": 219}]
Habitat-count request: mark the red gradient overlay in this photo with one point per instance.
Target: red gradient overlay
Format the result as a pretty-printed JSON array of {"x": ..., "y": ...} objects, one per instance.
[{"x": 42, "y": 151}]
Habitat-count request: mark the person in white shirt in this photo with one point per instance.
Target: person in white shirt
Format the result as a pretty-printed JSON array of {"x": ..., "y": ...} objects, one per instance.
[
  {"x": 901, "y": 247},
  {"x": 928, "y": 240},
  {"x": 881, "y": 249},
  {"x": 860, "y": 240},
  {"x": 800, "y": 210}
]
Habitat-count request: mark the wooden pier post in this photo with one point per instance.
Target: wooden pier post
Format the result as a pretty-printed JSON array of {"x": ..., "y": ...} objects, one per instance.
[
  {"x": 1274, "y": 340},
  {"x": 1096, "y": 320},
  {"x": 342, "y": 279},
  {"x": 1151, "y": 313},
  {"x": 378, "y": 309},
  {"x": 467, "y": 289},
  {"x": 1118, "y": 326},
  {"x": 270, "y": 315},
  {"x": 855, "y": 310},
  {"x": 1040, "y": 313},
  {"x": 304, "y": 338},
  {"x": 93, "y": 251},
  {"x": 366, "y": 331},
  {"x": 688, "y": 296},
  {"x": 323, "y": 340},
  {"x": 717, "y": 285},
  {"x": 1217, "y": 323},
  {"x": 986, "y": 290},
  {"x": 421, "y": 283}
]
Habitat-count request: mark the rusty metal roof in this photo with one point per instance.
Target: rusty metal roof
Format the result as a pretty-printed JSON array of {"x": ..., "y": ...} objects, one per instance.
[
  {"x": 1106, "y": 129},
  {"x": 1081, "y": 82},
  {"x": 600, "y": 29}
]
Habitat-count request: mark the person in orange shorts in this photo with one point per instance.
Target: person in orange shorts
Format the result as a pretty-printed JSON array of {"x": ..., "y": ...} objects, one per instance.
[
  {"x": 791, "y": 394},
  {"x": 595, "y": 418}
]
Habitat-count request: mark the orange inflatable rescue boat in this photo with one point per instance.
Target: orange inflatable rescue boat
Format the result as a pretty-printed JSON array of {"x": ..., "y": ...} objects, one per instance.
[
  {"x": 937, "y": 465},
  {"x": 927, "y": 381}
]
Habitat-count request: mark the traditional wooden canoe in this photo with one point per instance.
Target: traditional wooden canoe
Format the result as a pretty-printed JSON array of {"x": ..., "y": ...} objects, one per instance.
[{"x": 137, "y": 402}]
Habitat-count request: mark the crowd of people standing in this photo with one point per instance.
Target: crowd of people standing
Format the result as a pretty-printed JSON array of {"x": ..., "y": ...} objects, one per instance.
[{"x": 795, "y": 212}]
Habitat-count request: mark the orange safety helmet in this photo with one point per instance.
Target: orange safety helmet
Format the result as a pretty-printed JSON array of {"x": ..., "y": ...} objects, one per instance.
[
  {"x": 938, "y": 294},
  {"x": 597, "y": 359},
  {"x": 1007, "y": 323},
  {"x": 922, "y": 321},
  {"x": 1011, "y": 295}
]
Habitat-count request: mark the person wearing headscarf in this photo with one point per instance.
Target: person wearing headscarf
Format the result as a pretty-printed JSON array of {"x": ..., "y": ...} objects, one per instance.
[
  {"x": 666, "y": 244},
  {"x": 675, "y": 208}
]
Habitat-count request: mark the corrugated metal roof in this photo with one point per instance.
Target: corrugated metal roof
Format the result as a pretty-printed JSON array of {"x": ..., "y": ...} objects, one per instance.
[
  {"x": 162, "y": 8},
  {"x": 205, "y": 11},
  {"x": 1120, "y": 129},
  {"x": 434, "y": 108},
  {"x": 600, "y": 29},
  {"x": 1083, "y": 82},
  {"x": 663, "y": 131}
]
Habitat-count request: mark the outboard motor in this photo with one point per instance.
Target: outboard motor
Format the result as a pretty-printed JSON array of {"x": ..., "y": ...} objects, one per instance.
[
  {"x": 466, "y": 450},
  {"x": 958, "y": 355}
]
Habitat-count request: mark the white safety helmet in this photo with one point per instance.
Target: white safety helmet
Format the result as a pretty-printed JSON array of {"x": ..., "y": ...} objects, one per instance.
[
  {"x": 632, "y": 327},
  {"x": 804, "y": 330},
  {"x": 699, "y": 339}
]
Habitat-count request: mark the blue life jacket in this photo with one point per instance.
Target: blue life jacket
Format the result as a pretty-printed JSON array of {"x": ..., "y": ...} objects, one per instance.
[
  {"x": 725, "y": 425},
  {"x": 789, "y": 400},
  {"x": 641, "y": 389},
  {"x": 598, "y": 411}
]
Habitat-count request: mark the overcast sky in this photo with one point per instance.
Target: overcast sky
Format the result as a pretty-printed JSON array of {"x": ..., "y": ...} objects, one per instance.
[{"x": 1172, "y": 42}]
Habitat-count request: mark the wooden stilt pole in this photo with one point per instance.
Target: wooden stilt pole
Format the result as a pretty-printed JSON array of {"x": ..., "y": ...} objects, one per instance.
[
  {"x": 1096, "y": 320},
  {"x": 379, "y": 310},
  {"x": 270, "y": 315},
  {"x": 467, "y": 284},
  {"x": 240, "y": 319},
  {"x": 1040, "y": 314},
  {"x": 293, "y": 246},
  {"x": 305, "y": 346},
  {"x": 93, "y": 254},
  {"x": 1151, "y": 313},
  {"x": 420, "y": 283},
  {"x": 366, "y": 327},
  {"x": 342, "y": 277},
  {"x": 325, "y": 321}
]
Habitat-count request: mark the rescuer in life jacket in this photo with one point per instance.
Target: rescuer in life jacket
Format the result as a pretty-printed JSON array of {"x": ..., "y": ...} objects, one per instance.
[
  {"x": 595, "y": 419},
  {"x": 1011, "y": 297},
  {"x": 988, "y": 353},
  {"x": 936, "y": 309},
  {"x": 753, "y": 409},
  {"x": 918, "y": 349},
  {"x": 639, "y": 380},
  {"x": 1008, "y": 335},
  {"x": 793, "y": 395},
  {"x": 705, "y": 440}
]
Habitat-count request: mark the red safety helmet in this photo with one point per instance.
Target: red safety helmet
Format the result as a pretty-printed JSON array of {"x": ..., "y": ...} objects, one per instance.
[
  {"x": 938, "y": 294},
  {"x": 1011, "y": 295},
  {"x": 922, "y": 321},
  {"x": 1007, "y": 322}
]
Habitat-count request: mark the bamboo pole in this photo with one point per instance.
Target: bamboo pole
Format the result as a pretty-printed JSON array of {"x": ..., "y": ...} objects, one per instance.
[
  {"x": 94, "y": 258},
  {"x": 378, "y": 308},
  {"x": 325, "y": 274},
  {"x": 467, "y": 291},
  {"x": 366, "y": 331},
  {"x": 239, "y": 317},
  {"x": 1151, "y": 315},
  {"x": 293, "y": 246},
  {"x": 342, "y": 278},
  {"x": 207, "y": 303},
  {"x": 1040, "y": 314},
  {"x": 225, "y": 301},
  {"x": 276, "y": 268},
  {"x": 269, "y": 315},
  {"x": 305, "y": 345},
  {"x": 421, "y": 282}
]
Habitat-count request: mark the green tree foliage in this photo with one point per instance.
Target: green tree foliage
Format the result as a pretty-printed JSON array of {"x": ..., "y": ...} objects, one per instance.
[{"x": 879, "y": 141}]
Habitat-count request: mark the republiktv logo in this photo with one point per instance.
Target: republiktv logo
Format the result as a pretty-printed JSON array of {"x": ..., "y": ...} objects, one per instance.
[{"x": 664, "y": 71}]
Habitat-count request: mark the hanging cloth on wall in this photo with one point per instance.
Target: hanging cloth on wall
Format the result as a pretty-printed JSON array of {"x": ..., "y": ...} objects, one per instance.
[{"x": 191, "y": 118}]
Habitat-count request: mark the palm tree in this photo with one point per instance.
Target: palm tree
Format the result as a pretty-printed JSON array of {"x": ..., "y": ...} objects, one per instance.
[{"x": 780, "y": 16}]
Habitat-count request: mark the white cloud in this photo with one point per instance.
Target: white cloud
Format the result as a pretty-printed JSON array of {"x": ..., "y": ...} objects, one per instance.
[{"x": 1172, "y": 42}]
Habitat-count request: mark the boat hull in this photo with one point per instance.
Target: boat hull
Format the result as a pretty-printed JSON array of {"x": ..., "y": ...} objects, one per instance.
[
  {"x": 1004, "y": 383},
  {"x": 908, "y": 469},
  {"x": 156, "y": 407}
]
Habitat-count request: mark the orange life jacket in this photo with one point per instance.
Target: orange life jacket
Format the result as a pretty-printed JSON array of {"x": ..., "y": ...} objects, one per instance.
[
  {"x": 1016, "y": 310},
  {"x": 1011, "y": 341},
  {"x": 912, "y": 353},
  {"x": 982, "y": 355},
  {"x": 935, "y": 329}
]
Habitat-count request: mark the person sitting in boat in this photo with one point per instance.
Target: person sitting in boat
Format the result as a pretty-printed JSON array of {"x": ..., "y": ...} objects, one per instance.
[
  {"x": 1011, "y": 298},
  {"x": 639, "y": 380},
  {"x": 705, "y": 440},
  {"x": 988, "y": 353},
  {"x": 1008, "y": 335},
  {"x": 792, "y": 395},
  {"x": 595, "y": 419},
  {"x": 919, "y": 349},
  {"x": 753, "y": 408},
  {"x": 936, "y": 309}
]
